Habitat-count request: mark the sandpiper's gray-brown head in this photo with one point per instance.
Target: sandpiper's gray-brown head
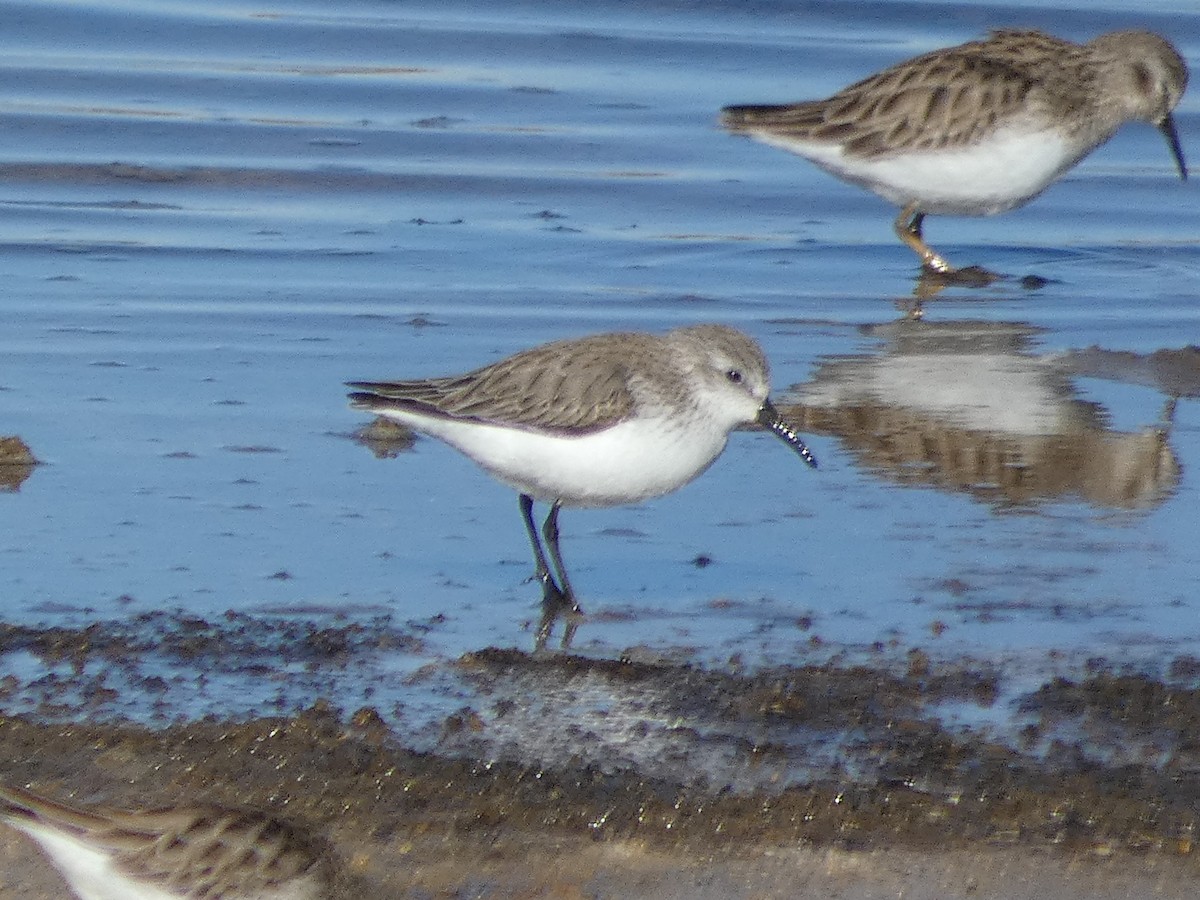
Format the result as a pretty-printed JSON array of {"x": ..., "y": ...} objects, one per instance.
[
  {"x": 1147, "y": 73},
  {"x": 739, "y": 379}
]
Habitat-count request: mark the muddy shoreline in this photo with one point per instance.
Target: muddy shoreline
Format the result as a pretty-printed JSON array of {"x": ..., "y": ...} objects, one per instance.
[
  {"x": 419, "y": 825},
  {"x": 908, "y": 806}
]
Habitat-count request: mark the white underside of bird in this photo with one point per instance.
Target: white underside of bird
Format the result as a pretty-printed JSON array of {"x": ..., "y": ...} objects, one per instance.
[
  {"x": 994, "y": 175},
  {"x": 642, "y": 457}
]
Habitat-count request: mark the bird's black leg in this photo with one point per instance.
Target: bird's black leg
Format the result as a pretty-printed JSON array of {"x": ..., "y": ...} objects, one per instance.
[
  {"x": 551, "y": 593},
  {"x": 569, "y": 607},
  {"x": 556, "y": 601},
  {"x": 550, "y": 532}
]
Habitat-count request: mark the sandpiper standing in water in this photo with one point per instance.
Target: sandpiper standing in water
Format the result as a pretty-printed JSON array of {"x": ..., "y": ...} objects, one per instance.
[
  {"x": 599, "y": 421},
  {"x": 177, "y": 853},
  {"x": 980, "y": 128}
]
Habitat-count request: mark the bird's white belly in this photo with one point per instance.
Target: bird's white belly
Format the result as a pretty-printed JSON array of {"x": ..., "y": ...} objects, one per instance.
[
  {"x": 994, "y": 175},
  {"x": 628, "y": 462}
]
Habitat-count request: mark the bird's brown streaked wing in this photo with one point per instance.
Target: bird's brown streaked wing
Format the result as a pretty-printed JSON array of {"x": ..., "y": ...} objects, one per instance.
[
  {"x": 943, "y": 99},
  {"x": 542, "y": 388},
  {"x": 22, "y": 805},
  {"x": 212, "y": 851}
]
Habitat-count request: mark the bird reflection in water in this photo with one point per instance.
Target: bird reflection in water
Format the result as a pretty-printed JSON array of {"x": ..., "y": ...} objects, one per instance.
[{"x": 970, "y": 406}]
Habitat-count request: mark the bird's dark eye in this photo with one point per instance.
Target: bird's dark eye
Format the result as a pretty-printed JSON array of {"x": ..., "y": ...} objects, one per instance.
[
  {"x": 1144, "y": 80},
  {"x": 734, "y": 376}
]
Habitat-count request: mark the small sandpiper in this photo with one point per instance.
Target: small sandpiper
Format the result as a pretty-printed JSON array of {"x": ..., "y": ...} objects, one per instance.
[
  {"x": 175, "y": 853},
  {"x": 980, "y": 128},
  {"x": 600, "y": 421}
]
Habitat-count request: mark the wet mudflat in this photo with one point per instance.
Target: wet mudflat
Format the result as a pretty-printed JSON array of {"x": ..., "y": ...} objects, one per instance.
[{"x": 843, "y": 776}]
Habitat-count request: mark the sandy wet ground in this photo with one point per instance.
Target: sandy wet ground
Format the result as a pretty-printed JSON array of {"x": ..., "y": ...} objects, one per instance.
[
  {"x": 934, "y": 812},
  {"x": 459, "y": 851}
]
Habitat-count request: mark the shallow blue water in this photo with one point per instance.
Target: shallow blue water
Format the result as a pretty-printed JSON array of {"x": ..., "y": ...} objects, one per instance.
[{"x": 210, "y": 218}]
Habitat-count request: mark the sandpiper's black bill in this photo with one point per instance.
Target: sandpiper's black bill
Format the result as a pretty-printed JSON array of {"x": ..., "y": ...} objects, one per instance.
[
  {"x": 769, "y": 417},
  {"x": 1167, "y": 127}
]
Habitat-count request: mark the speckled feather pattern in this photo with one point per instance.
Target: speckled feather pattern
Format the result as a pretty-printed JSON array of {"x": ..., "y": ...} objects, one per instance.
[
  {"x": 956, "y": 96},
  {"x": 196, "y": 852}
]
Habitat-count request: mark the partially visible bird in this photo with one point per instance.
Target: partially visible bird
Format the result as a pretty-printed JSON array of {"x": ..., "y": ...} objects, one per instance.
[
  {"x": 982, "y": 127},
  {"x": 188, "y": 852}
]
